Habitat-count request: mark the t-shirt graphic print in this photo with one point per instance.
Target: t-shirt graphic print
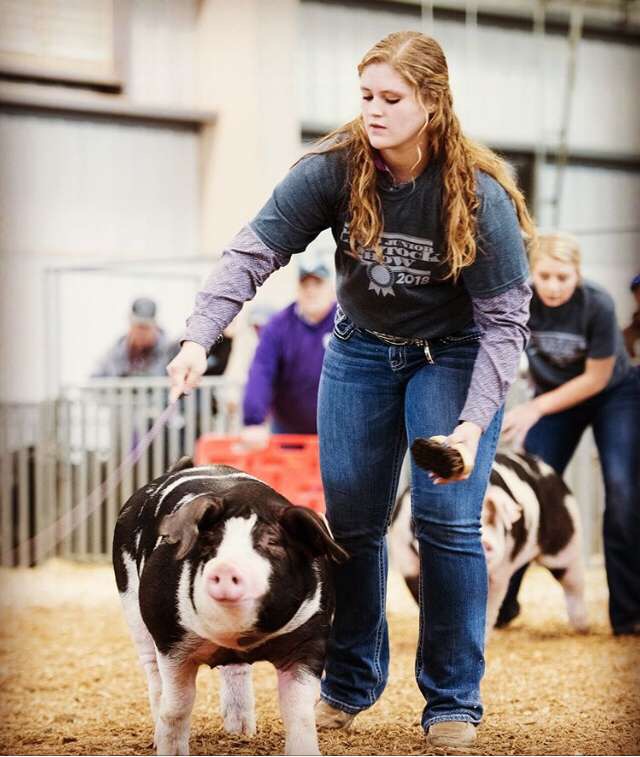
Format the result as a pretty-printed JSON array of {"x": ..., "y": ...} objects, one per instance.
[{"x": 404, "y": 259}]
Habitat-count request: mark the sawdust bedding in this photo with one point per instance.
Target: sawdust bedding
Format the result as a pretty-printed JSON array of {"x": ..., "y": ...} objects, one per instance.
[{"x": 70, "y": 682}]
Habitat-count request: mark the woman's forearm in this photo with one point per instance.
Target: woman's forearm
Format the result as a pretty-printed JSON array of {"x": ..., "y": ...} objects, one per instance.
[
  {"x": 503, "y": 320},
  {"x": 568, "y": 395}
]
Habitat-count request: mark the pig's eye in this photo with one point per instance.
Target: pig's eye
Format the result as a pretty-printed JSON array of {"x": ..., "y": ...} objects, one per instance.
[{"x": 210, "y": 519}]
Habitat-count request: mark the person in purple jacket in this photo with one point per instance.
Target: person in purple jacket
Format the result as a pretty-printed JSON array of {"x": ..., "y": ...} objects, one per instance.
[
  {"x": 285, "y": 371},
  {"x": 430, "y": 232}
]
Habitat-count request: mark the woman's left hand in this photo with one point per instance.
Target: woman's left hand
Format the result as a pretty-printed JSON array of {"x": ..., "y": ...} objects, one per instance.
[
  {"x": 518, "y": 421},
  {"x": 466, "y": 433}
]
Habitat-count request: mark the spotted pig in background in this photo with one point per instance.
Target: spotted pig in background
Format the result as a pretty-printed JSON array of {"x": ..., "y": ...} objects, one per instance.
[{"x": 528, "y": 514}]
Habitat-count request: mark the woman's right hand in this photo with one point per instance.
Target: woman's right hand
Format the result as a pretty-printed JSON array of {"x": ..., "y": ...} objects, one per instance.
[{"x": 186, "y": 369}]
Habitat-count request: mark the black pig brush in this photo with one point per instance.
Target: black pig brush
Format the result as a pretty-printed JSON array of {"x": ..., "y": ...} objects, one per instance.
[{"x": 445, "y": 460}]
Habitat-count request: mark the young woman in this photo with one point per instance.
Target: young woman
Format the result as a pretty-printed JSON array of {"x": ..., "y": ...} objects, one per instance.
[
  {"x": 582, "y": 377},
  {"x": 431, "y": 284}
]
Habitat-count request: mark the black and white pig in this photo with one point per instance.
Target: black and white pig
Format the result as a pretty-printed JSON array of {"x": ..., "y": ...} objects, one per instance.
[
  {"x": 528, "y": 514},
  {"x": 214, "y": 567}
]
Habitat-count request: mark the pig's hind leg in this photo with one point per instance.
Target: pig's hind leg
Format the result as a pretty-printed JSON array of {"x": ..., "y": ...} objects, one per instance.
[
  {"x": 571, "y": 578},
  {"x": 143, "y": 641},
  {"x": 298, "y": 692},
  {"x": 237, "y": 703}
]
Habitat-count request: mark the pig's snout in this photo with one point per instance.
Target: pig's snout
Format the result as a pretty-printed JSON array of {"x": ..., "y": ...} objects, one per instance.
[{"x": 225, "y": 583}]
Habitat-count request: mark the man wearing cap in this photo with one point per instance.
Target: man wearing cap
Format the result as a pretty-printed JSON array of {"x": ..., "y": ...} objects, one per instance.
[
  {"x": 285, "y": 372},
  {"x": 142, "y": 351},
  {"x": 632, "y": 333}
]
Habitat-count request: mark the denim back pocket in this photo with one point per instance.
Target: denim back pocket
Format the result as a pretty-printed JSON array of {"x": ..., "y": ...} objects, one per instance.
[{"x": 343, "y": 328}]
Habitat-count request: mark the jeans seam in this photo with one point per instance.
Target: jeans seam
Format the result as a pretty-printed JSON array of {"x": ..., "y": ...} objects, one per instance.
[
  {"x": 397, "y": 465},
  {"x": 461, "y": 717},
  {"x": 340, "y": 705}
]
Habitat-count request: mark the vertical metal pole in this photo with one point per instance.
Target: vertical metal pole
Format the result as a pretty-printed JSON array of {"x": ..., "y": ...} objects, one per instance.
[
  {"x": 38, "y": 519},
  {"x": 6, "y": 504},
  {"x": 82, "y": 479},
  {"x": 126, "y": 440},
  {"x": 426, "y": 17},
  {"x": 159, "y": 442},
  {"x": 541, "y": 142},
  {"x": 575, "y": 34},
  {"x": 141, "y": 411},
  {"x": 65, "y": 468},
  {"x": 471, "y": 46},
  {"x": 190, "y": 427},
  {"x": 113, "y": 503},
  {"x": 96, "y": 478},
  {"x": 24, "y": 433}
]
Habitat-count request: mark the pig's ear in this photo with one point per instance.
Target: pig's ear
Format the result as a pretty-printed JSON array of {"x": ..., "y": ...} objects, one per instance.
[
  {"x": 313, "y": 532},
  {"x": 507, "y": 509},
  {"x": 181, "y": 527},
  {"x": 182, "y": 464}
]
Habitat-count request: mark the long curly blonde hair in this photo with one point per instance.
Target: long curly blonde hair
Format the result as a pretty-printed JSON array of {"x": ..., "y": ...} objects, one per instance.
[{"x": 420, "y": 60}]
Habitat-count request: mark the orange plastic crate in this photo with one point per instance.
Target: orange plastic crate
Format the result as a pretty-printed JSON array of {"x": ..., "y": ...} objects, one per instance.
[{"x": 290, "y": 464}]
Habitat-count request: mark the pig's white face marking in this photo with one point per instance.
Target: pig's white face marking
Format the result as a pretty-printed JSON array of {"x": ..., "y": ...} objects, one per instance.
[
  {"x": 224, "y": 621},
  {"x": 499, "y": 513}
]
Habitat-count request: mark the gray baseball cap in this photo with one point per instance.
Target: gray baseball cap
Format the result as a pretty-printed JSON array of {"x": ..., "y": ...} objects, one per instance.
[
  {"x": 143, "y": 310},
  {"x": 313, "y": 268}
]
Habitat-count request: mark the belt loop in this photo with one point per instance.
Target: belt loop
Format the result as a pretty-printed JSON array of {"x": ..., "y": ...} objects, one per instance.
[{"x": 427, "y": 353}]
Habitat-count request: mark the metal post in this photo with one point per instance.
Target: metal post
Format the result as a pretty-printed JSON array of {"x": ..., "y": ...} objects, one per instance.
[
  {"x": 575, "y": 34},
  {"x": 426, "y": 17},
  {"x": 540, "y": 152}
]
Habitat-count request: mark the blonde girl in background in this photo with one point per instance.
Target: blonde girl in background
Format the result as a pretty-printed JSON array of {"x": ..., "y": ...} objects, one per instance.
[
  {"x": 582, "y": 377},
  {"x": 433, "y": 304}
]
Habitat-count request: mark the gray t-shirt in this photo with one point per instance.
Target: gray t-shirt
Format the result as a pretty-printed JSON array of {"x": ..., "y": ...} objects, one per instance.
[
  {"x": 407, "y": 295},
  {"x": 562, "y": 338}
]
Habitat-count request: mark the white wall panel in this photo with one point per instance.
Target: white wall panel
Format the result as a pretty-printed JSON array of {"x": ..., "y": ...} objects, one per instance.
[
  {"x": 88, "y": 190},
  {"x": 162, "y": 52},
  {"x": 71, "y": 186}
]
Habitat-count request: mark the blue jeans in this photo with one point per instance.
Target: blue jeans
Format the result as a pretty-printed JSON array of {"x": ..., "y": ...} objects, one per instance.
[
  {"x": 373, "y": 398},
  {"x": 614, "y": 416}
]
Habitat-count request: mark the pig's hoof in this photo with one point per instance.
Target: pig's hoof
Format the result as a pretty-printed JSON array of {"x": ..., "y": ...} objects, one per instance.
[
  {"x": 580, "y": 626},
  {"x": 240, "y": 722},
  {"x": 171, "y": 741}
]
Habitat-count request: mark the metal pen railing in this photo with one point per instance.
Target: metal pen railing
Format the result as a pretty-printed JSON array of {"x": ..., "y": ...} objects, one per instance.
[{"x": 54, "y": 453}]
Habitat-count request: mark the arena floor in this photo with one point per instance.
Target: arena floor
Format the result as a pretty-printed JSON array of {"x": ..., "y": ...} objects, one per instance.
[{"x": 70, "y": 683}]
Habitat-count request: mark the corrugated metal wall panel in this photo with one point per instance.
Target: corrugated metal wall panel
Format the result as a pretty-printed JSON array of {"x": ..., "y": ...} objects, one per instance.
[
  {"x": 162, "y": 46},
  {"x": 79, "y": 186},
  {"x": 495, "y": 77}
]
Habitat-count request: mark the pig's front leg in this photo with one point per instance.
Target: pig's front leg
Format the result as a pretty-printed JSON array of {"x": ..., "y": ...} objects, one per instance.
[
  {"x": 298, "y": 692},
  {"x": 176, "y": 703},
  {"x": 237, "y": 703}
]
